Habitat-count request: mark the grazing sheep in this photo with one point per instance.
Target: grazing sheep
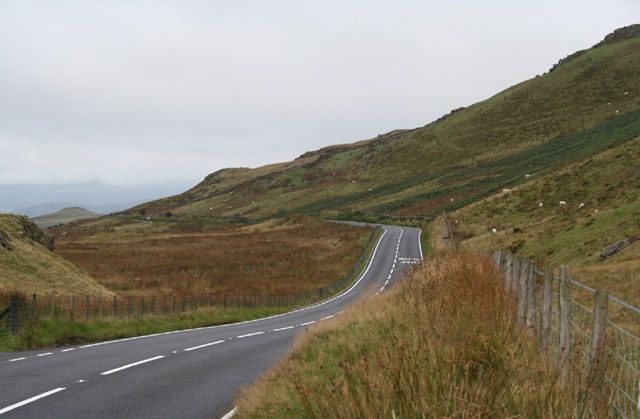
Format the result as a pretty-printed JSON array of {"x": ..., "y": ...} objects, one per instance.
[
  {"x": 596, "y": 210},
  {"x": 494, "y": 231},
  {"x": 626, "y": 93},
  {"x": 527, "y": 176},
  {"x": 450, "y": 199},
  {"x": 581, "y": 205},
  {"x": 540, "y": 205},
  {"x": 562, "y": 203},
  {"x": 505, "y": 190}
]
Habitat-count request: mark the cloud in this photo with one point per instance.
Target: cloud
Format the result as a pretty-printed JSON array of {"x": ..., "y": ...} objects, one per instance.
[{"x": 132, "y": 92}]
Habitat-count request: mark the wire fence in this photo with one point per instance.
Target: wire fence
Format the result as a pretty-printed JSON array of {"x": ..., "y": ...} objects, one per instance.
[
  {"x": 18, "y": 311},
  {"x": 574, "y": 321}
]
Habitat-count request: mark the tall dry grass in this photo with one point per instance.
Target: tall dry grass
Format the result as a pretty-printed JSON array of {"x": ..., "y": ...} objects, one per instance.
[
  {"x": 445, "y": 343},
  {"x": 300, "y": 255}
]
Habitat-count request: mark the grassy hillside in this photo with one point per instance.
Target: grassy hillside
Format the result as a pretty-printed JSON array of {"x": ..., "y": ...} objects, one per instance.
[
  {"x": 440, "y": 344},
  {"x": 603, "y": 207},
  {"x": 589, "y": 102},
  {"x": 64, "y": 216},
  {"x": 27, "y": 265}
]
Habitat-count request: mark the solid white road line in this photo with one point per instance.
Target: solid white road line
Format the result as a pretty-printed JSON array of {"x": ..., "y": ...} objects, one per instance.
[
  {"x": 307, "y": 323},
  {"x": 231, "y": 413},
  {"x": 17, "y": 359},
  {"x": 283, "y": 328},
  {"x": 45, "y": 354},
  {"x": 124, "y": 367},
  {"x": 249, "y": 334},
  {"x": 420, "y": 243},
  {"x": 204, "y": 346},
  {"x": 31, "y": 400}
]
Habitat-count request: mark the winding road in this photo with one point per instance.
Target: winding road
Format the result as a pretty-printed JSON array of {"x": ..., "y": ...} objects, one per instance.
[{"x": 189, "y": 373}]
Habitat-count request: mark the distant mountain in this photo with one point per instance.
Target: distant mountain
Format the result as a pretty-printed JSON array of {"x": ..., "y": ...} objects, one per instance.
[
  {"x": 64, "y": 216},
  {"x": 36, "y": 200}
]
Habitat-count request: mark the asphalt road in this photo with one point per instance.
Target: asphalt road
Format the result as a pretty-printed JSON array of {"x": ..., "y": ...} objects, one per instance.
[{"x": 184, "y": 374}]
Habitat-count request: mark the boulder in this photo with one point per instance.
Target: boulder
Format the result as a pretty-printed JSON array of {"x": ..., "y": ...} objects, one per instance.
[{"x": 614, "y": 248}]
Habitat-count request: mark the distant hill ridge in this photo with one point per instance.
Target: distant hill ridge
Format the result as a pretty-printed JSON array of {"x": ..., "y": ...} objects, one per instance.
[
  {"x": 586, "y": 105},
  {"x": 64, "y": 216}
]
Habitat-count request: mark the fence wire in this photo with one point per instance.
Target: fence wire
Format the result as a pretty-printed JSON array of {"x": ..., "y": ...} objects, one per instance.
[{"x": 621, "y": 340}]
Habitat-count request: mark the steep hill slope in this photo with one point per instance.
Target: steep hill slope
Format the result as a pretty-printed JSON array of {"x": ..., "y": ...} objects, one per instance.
[
  {"x": 64, "y": 216},
  {"x": 602, "y": 196},
  {"x": 588, "y": 102},
  {"x": 28, "y": 265}
]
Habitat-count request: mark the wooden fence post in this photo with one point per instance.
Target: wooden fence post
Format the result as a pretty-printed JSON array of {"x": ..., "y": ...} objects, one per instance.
[
  {"x": 114, "y": 309},
  {"x": 515, "y": 275},
  {"x": 565, "y": 320},
  {"x": 34, "y": 307},
  {"x": 14, "y": 315},
  {"x": 71, "y": 306},
  {"x": 87, "y": 306},
  {"x": 522, "y": 291},
  {"x": 531, "y": 300},
  {"x": 598, "y": 336},
  {"x": 546, "y": 308}
]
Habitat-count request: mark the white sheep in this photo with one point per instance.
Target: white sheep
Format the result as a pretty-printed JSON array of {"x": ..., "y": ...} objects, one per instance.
[
  {"x": 562, "y": 203},
  {"x": 494, "y": 231},
  {"x": 527, "y": 176},
  {"x": 626, "y": 93},
  {"x": 596, "y": 210},
  {"x": 505, "y": 190},
  {"x": 581, "y": 205},
  {"x": 450, "y": 199},
  {"x": 540, "y": 205}
]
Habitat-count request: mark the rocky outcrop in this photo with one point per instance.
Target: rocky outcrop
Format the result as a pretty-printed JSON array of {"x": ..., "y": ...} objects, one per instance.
[
  {"x": 5, "y": 242},
  {"x": 628, "y": 32},
  {"x": 615, "y": 248},
  {"x": 33, "y": 232}
]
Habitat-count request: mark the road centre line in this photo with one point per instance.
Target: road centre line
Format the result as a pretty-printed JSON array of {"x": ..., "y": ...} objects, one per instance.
[
  {"x": 283, "y": 328},
  {"x": 203, "y": 346},
  {"x": 45, "y": 354},
  {"x": 17, "y": 359},
  {"x": 68, "y": 350},
  {"x": 31, "y": 400},
  {"x": 249, "y": 334},
  {"x": 124, "y": 367}
]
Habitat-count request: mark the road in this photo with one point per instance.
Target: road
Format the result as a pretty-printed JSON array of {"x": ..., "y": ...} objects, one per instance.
[{"x": 192, "y": 373}]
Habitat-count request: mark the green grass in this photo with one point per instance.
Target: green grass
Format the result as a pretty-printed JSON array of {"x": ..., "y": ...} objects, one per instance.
[{"x": 58, "y": 332}]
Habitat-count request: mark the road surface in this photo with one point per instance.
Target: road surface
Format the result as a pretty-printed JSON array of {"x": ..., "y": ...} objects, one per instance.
[{"x": 193, "y": 373}]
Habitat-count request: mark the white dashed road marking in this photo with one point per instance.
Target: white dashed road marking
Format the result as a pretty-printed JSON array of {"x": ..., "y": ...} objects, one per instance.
[
  {"x": 249, "y": 334},
  {"x": 204, "y": 346},
  {"x": 124, "y": 367}
]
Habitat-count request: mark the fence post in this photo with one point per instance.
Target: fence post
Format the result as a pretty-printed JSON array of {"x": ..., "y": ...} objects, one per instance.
[
  {"x": 546, "y": 308},
  {"x": 87, "y": 306},
  {"x": 531, "y": 300},
  {"x": 522, "y": 291},
  {"x": 173, "y": 297},
  {"x": 565, "y": 320},
  {"x": 34, "y": 307},
  {"x": 515, "y": 275},
  {"x": 142, "y": 306},
  {"x": 71, "y": 306},
  {"x": 598, "y": 335},
  {"x": 114, "y": 309},
  {"x": 14, "y": 315},
  {"x": 508, "y": 271}
]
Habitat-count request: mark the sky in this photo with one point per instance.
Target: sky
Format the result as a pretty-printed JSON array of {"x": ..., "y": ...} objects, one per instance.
[{"x": 129, "y": 93}]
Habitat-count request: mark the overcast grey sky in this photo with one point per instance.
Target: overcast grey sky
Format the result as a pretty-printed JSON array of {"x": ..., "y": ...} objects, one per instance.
[{"x": 127, "y": 92}]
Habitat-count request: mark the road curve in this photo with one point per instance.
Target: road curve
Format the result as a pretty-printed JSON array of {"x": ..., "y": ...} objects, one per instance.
[{"x": 192, "y": 373}]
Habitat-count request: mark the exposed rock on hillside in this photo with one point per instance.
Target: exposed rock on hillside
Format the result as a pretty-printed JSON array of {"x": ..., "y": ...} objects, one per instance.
[
  {"x": 628, "y": 32},
  {"x": 5, "y": 241},
  {"x": 33, "y": 232}
]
